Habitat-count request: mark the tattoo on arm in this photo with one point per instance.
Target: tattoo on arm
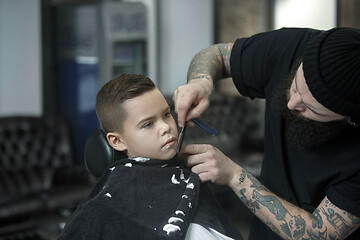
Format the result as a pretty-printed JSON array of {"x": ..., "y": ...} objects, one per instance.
[
  {"x": 291, "y": 226},
  {"x": 272, "y": 204},
  {"x": 225, "y": 50},
  {"x": 201, "y": 77},
  {"x": 212, "y": 61},
  {"x": 318, "y": 234},
  {"x": 317, "y": 221},
  {"x": 251, "y": 204},
  {"x": 338, "y": 222},
  {"x": 344, "y": 223},
  {"x": 273, "y": 227},
  {"x": 353, "y": 219},
  {"x": 291, "y": 222}
]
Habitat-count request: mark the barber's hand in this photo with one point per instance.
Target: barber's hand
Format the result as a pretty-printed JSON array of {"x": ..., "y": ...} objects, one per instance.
[
  {"x": 211, "y": 164},
  {"x": 195, "y": 94}
]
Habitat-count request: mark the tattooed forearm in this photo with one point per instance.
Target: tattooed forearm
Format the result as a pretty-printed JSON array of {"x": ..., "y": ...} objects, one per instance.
[
  {"x": 207, "y": 62},
  {"x": 253, "y": 181},
  {"x": 225, "y": 50},
  {"x": 251, "y": 204},
  {"x": 273, "y": 227},
  {"x": 283, "y": 223},
  {"x": 336, "y": 221},
  {"x": 201, "y": 77},
  {"x": 292, "y": 226},
  {"x": 353, "y": 219},
  {"x": 290, "y": 221},
  {"x": 211, "y": 62},
  {"x": 317, "y": 221},
  {"x": 272, "y": 204},
  {"x": 317, "y": 234}
]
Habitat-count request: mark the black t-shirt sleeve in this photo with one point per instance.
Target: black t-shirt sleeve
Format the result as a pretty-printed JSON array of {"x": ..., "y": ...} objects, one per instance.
[
  {"x": 256, "y": 60},
  {"x": 346, "y": 194}
]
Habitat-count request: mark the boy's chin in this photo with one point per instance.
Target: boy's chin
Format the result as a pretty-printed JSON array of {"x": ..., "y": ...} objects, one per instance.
[{"x": 169, "y": 155}]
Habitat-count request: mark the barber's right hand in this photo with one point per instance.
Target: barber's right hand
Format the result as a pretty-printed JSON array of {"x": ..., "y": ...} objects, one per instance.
[
  {"x": 192, "y": 99},
  {"x": 210, "y": 164}
]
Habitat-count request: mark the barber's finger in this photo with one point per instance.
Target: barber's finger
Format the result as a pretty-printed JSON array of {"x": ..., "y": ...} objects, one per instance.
[
  {"x": 200, "y": 155},
  {"x": 195, "y": 149},
  {"x": 193, "y": 160},
  {"x": 197, "y": 168},
  {"x": 182, "y": 105},
  {"x": 197, "y": 110},
  {"x": 205, "y": 177},
  {"x": 205, "y": 173}
]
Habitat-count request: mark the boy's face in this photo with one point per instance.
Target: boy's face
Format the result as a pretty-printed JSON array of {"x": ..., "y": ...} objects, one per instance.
[{"x": 149, "y": 129}]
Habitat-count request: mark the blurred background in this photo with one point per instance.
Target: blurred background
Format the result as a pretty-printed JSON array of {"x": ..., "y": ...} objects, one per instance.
[{"x": 56, "y": 54}]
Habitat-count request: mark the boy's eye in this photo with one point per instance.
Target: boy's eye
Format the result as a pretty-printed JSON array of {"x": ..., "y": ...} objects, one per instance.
[{"x": 147, "y": 125}]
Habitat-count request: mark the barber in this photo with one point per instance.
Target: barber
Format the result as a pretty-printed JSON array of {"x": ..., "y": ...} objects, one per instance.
[{"x": 309, "y": 186}]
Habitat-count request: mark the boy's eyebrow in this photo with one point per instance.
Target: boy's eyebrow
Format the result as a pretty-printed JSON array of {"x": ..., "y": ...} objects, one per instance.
[
  {"x": 144, "y": 120},
  {"x": 151, "y": 117}
]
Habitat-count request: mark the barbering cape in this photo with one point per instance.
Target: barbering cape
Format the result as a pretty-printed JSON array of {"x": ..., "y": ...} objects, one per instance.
[{"x": 144, "y": 198}]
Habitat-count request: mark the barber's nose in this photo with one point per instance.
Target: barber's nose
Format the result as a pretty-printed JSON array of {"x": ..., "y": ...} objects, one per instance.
[{"x": 295, "y": 103}]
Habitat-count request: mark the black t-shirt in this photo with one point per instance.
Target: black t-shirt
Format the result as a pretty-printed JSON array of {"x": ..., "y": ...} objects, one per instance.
[{"x": 259, "y": 65}]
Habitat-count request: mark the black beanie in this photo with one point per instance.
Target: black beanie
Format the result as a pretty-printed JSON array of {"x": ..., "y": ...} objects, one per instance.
[{"x": 331, "y": 64}]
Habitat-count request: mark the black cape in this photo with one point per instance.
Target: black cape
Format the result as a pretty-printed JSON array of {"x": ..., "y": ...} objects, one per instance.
[{"x": 146, "y": 199}]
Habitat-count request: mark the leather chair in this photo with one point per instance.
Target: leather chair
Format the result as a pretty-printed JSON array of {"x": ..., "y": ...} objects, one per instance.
[
  {"x": 38, "y": 174},
  {"x": 99, "y": 154}
]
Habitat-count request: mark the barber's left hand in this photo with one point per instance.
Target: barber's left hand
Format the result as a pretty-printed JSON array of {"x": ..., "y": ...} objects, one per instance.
[{"x": 211, "y": 164}]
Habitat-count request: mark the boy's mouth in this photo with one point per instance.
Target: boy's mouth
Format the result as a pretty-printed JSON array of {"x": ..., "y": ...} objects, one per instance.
[{"x": 170, "y": 142}]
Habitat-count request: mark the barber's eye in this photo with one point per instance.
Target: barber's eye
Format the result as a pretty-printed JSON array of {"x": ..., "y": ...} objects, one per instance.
[{"x": 167, "y": 114}]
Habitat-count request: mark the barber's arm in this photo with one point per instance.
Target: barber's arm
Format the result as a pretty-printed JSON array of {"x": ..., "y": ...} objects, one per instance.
[
  {"x": 208, "y": 66},
  {"x": 287, "y": 220}
]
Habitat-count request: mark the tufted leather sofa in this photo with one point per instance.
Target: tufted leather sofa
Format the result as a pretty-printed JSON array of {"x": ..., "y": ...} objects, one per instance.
[{"x": 37, "y": 171}]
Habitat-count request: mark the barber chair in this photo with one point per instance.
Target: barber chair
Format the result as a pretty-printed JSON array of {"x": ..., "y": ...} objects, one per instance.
[
  {"x": 99, "y": 154},
  {"x": 38, "y": 175}
]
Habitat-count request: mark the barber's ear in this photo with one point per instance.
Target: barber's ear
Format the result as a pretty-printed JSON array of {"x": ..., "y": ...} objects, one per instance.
[{"x": 115, "y": 140}]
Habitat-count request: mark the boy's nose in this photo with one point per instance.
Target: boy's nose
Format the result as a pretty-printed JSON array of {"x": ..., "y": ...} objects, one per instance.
[{"x": 165, "y": 128}]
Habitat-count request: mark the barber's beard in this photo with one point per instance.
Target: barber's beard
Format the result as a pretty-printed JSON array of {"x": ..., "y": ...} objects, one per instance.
[{"x": 304, "y": 132}]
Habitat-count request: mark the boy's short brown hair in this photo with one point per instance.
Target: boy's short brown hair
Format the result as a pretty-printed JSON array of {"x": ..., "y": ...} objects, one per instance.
[{"x": 110, "y": 99}]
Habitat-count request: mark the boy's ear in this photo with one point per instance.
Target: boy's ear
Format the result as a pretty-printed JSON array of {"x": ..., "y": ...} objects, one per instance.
[{"x": 115, "y": 140}]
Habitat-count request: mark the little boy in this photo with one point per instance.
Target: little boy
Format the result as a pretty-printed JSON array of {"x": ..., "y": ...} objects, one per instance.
[{"x": 150, "y": 194}]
